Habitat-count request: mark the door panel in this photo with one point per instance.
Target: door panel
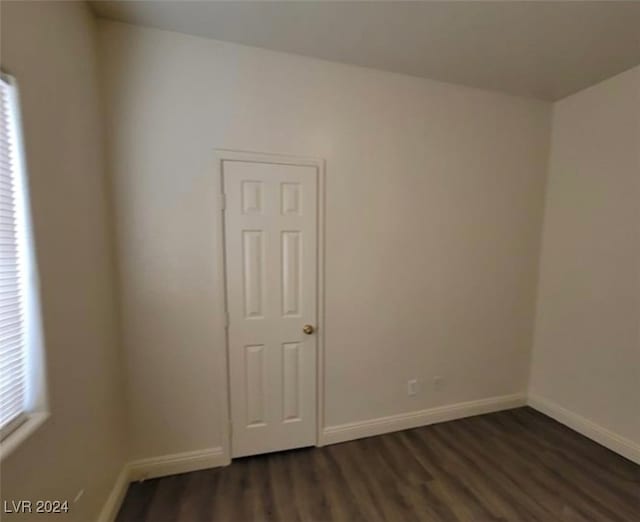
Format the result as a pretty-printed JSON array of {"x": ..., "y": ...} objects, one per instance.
[
  {"x": 271, "y": 264},
  {"x": 253, "y": 273},
  {"x": 291, "y": 381}
]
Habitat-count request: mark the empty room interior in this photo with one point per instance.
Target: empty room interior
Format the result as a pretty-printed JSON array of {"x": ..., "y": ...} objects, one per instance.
[{"x": 320, "y": 261}]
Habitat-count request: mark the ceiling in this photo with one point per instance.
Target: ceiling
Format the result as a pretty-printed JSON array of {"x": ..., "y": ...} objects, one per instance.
[{"x": 545, "y": 50}]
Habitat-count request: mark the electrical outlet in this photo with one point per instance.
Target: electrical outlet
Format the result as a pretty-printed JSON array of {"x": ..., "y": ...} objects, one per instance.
[
  {"x": 437, "y": 382},
  {"x": 412, "y": 387}
]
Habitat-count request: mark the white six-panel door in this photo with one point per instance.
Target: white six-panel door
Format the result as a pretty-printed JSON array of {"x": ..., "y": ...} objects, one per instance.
[{"x": 271, "y": 263}]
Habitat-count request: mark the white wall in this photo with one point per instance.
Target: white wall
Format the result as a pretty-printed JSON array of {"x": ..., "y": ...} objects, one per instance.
[
  {"x": 50, "y": 47},
  {"x": 434, "y": 208},
  {"x": 587, "y": 341}
]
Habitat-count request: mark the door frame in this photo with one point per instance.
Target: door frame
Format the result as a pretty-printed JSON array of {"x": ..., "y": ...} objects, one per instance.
[{"x": 222, "y": 339}]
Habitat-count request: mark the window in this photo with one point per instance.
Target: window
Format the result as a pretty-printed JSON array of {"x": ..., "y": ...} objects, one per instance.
[{"x": 21, "y": 375}]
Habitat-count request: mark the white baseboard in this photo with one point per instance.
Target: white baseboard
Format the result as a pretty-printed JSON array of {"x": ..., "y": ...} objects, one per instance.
[
  {"x": 115, "y": 498},
  {"x": 177, "y": 463},
  {"x": 405, "y": 421},
  {"x": 159, "y": 467},
  {"x": 214, "y": 457},
  {"x": 621, "y": 445}
]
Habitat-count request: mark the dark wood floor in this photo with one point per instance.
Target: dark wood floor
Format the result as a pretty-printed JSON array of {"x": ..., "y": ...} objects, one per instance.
[{"x": 515, "y": 465}]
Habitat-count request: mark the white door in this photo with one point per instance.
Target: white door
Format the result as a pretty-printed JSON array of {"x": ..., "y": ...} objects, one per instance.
[{"x": 270, "y": 243}]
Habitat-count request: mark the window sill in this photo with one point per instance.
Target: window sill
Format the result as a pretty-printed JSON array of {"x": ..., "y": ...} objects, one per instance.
[{"x": 21, "y": 433}]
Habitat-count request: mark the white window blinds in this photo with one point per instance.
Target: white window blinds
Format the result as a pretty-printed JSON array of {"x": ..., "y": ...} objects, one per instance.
[{"x": 12, "y": 332}]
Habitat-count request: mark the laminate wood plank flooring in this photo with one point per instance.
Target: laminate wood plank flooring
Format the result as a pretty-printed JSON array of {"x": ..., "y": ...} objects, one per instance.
[{"x": 511, "y": 466}]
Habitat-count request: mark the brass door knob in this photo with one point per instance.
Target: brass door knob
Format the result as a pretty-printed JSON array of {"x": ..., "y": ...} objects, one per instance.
[{"x": 308, "y": 329}]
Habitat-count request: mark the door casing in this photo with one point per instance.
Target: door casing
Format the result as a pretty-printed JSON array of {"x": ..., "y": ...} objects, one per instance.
[{"x": 224, "y": 386}]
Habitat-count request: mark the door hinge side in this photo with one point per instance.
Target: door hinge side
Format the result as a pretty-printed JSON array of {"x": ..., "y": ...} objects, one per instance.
[{"x": 223, "y": 201}]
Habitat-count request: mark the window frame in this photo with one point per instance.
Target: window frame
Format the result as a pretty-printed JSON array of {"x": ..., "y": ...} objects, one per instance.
[{"x": 36, "y": 398}]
